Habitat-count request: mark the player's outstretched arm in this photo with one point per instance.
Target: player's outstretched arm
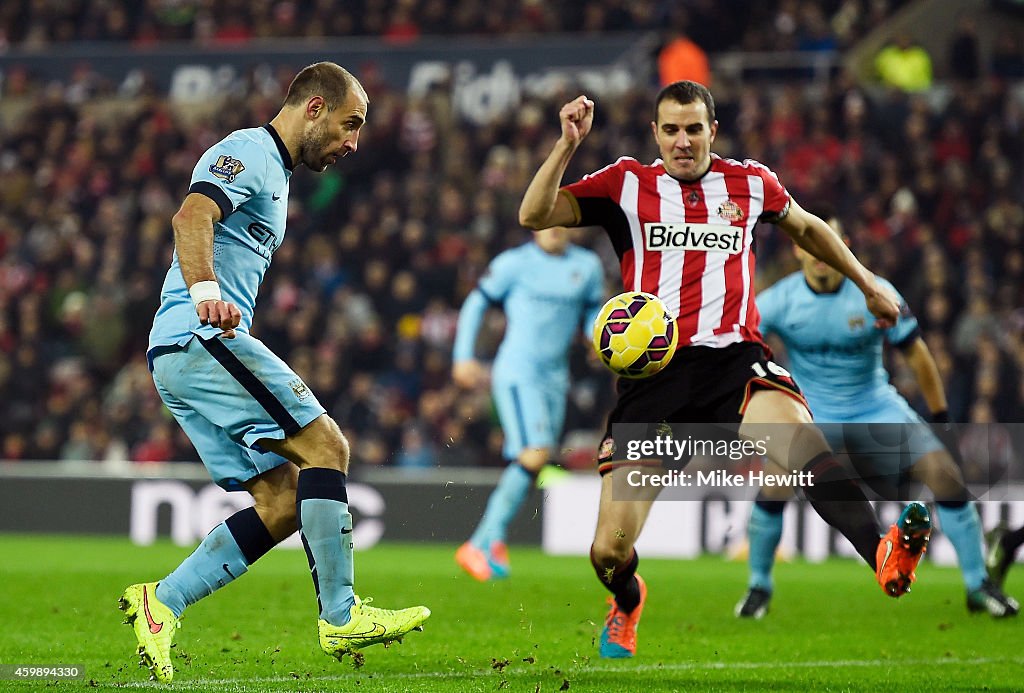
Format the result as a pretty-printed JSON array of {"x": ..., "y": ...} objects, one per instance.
[
  {"x": 193, "y": 241},
  {"x": 467, "y": 371},
  {"x": 814, "y": 235},
  {"x": 919, "y": 359},
  {"x": 542, "y": 206}
]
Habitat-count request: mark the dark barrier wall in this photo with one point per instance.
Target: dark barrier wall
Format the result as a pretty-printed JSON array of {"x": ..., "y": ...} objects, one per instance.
[
  {"x": 440, "y": 507},
  {"x": 430, "y": 509}
]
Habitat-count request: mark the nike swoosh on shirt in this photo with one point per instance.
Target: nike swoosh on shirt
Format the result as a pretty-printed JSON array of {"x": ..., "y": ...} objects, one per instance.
[
  {"x": 275, "y": 197},
  {"x": 154, "y": 627}
]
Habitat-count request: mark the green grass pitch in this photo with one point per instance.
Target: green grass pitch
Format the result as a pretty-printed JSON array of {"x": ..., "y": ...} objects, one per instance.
[{"x": 830, "y": 629}]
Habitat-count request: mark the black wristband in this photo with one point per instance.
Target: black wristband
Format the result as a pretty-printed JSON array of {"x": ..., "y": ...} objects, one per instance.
[{"x": 940, "y": 416}]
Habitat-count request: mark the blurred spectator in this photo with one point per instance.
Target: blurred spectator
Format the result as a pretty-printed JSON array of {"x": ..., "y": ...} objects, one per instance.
[
  {"x": 78, "y": 445},
  {"x": 986, "y": 447},
  {"x": 680, "y": 58},
  {"x": 976, "y": 322},
  {"x": 416, "y": 452},
  {"x": 158, "y": 445},
  {"x": 814, "y": 33},
  {"x": 401, "y": 27},
  {"x": 1008, "y": 55},
  {"x": 904, "y": 65},
  {"x": 964, "y": 58}
]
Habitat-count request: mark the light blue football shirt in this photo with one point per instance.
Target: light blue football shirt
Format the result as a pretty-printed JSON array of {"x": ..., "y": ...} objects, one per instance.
[
  {"x": 546, "y": 299},
  {"x": 246, "y": 174},
  {"x": 834, "y": 348}
]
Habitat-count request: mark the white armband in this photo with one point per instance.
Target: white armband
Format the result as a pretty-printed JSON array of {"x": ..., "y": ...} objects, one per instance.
[{"x": 204, "y": 291}]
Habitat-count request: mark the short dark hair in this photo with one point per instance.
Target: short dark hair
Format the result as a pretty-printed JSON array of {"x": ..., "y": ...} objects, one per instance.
[
  {"x": 330, "y": 81},
  {"x": 825, "y": 210},
  {"x": 822, "y": 209},
  {"x": 685, "y": 92}
]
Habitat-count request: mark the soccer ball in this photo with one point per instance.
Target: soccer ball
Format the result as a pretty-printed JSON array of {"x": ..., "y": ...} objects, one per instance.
[{"x": 635, "y": 335}]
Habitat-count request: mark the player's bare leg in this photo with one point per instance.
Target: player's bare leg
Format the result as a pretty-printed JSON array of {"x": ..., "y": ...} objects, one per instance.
[
  {"x": 800, "y": 447},
  {"x": 619, "y": 523},
  {"x": 273, "y": 494}
]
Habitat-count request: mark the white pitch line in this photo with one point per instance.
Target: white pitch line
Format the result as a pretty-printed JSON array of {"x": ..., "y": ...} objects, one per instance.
[{"x": 574, "y": 670}]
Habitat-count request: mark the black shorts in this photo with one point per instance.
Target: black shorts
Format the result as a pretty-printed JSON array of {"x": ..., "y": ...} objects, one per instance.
[{"x": 699, "y": 385}]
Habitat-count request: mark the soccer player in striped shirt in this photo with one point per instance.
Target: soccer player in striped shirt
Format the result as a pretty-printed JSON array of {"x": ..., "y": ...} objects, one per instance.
[{"x": 683, "y": 229}]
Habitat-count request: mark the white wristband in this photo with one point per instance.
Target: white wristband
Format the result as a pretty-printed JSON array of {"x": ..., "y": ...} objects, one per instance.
[{"x": 204, "y": 291}]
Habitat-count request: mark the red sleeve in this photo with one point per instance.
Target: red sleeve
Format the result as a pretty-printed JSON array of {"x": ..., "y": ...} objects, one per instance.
[
  {"x": 603, "y": 184},
  {"x": 776, "y": 197}
]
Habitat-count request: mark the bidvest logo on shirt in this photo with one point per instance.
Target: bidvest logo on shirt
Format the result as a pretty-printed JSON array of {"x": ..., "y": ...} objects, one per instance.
[{"x": 713, "y": 238}]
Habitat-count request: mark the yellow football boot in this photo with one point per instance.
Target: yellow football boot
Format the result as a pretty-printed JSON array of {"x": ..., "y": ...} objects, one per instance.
[
  {"x": 154, "y": 626},
  {"x": 370, "y": 626}
]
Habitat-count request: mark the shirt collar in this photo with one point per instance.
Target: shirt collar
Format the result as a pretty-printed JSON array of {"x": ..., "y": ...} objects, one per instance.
[
  {"x": 836, "y": 290},
  {"x": 281, "y": 149}
]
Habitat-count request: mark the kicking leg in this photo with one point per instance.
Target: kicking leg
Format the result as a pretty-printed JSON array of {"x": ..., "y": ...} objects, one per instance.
[
  {"x": 615, "y": 561},
  {"x": 325, "y": 526},
  {"x": 838, "y": 499},
  {"x": 800, "y": 446}
]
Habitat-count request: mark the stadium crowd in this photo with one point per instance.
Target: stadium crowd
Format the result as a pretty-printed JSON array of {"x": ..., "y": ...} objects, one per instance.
[
  {"x": 363, "y": 295},
  {"x": 750, "y": 25}
]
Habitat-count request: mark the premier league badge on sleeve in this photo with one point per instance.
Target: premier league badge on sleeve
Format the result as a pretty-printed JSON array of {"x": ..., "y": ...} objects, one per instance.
[{"x": 227, "y": 168}]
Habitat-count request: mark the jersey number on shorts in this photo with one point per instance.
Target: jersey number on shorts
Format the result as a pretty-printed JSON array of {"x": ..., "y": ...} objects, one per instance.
[{"x": 775, "y": 368}]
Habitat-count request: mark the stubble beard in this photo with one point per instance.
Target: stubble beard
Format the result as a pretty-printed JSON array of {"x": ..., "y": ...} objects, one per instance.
[{"x": 310, "y": 149}]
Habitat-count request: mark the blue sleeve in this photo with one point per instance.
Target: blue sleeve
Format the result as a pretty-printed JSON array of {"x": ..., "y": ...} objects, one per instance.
[
  {"x": 230, "y": 172},
  {"x": 499, "y": 278},
  {"x": 906, "y": 329},
  {"x": 595, "y": 298},
  {"x": 471, "y": 316},
  {"x": 769, "y": 304}
]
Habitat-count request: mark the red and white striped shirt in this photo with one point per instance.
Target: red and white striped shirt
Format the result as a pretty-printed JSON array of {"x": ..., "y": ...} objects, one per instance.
[{"x": 689, "y": 243}]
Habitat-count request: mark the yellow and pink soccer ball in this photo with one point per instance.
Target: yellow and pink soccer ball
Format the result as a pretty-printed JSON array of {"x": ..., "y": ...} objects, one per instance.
[{"x": 635, "y": 335}]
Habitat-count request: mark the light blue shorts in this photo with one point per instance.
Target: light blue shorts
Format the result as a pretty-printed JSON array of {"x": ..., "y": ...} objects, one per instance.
[
  {"x": 531, "y": 415},
  {"x": 887, "y": 441},
  {"x": 227, "y": 394}
]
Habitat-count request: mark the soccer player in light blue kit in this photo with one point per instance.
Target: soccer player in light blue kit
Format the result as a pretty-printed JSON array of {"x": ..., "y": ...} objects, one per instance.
[
  {"x": 256, "y": 425},
  {"x": 835, "y": 353},
  {"x": 548, "y": 289}
]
